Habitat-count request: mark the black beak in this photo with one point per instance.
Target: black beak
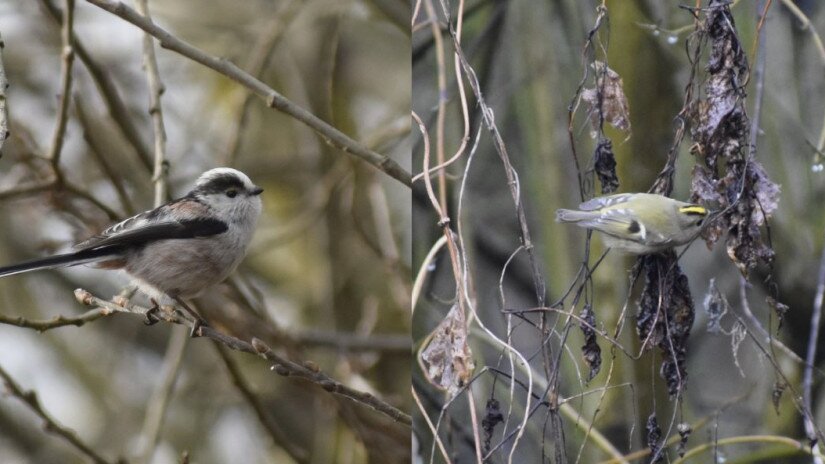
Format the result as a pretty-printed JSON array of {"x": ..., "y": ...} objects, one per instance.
[{"x": 256, "y": 191}]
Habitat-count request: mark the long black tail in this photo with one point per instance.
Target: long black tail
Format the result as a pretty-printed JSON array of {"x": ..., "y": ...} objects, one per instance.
[{"x": 68, "y": 259}]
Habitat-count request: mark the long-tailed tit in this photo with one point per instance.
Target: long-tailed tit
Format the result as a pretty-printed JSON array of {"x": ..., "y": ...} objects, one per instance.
[{"x": 177, "y": 249}]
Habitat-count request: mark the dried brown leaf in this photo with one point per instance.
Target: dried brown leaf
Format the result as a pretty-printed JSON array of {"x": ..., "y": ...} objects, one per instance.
[
  {"x": 609, "y": 91},
  {"x": 604, "y": 163},
  {"x": 591, "y": 351},
  {"x": 447, "y": 358},
  {"x": 666, "y": 315},
  {"x": 653, "y": 434}
]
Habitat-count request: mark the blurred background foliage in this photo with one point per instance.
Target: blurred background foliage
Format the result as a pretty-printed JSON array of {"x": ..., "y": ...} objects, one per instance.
[
  {"x": 329, "y": 263},
  {"x": 529, "y": 61}
]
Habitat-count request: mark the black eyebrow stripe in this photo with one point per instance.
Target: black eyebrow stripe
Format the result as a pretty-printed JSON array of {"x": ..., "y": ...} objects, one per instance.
[{"x": 221, "y": 183}]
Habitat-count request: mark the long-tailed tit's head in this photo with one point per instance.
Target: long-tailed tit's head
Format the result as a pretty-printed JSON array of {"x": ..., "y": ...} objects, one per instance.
[{"x": 230, "y": 193}]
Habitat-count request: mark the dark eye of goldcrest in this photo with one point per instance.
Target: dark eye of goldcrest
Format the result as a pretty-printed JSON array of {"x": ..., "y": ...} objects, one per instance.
[
  {"x": 232, "y": 193},
  {"x": 699, "y": 222}
]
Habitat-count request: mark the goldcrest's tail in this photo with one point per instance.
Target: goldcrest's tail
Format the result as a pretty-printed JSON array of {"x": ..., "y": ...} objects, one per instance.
[{"x": 569, "y": 215}]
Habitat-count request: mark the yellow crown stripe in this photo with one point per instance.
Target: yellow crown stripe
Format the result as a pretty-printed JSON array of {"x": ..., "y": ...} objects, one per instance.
[{"x": 693, "y": 210}]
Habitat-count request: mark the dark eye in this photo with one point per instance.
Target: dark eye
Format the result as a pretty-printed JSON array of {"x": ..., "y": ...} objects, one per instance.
[
  {"x": 699, "y": 222},
  {"x": 232, "y": 193}
]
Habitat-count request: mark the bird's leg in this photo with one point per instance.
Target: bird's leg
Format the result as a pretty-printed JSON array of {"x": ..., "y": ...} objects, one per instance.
[
  {"x": 152, "y": 314},
  {"x": 199, "y": 321}
]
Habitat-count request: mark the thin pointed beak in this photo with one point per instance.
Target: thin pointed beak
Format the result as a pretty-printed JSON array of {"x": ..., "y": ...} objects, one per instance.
[{"x": 256, "y": 191}]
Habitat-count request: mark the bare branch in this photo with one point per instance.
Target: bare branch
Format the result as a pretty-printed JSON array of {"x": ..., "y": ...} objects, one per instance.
[
  {"x": 311, "y": 372},
  {"x": 108, "y": 91},
  {"x": 57, "y": 321},
  {"x": 273, "y": 99},
  {"x": 156, "y": 89},
  {"x": 306, "y": 370},
  {"x": 67, "y": 54},
  {"x": 99, "y": 154}
]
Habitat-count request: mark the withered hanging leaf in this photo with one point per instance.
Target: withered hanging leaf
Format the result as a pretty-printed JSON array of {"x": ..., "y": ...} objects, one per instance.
[
  {"x": 609, "y": 91},
  {"x": 721, "y": 124},
  {"x": 604, "y": 163},
  {"x": 492, "y": 417},
  {"x": 738, "y": 184},
  {"x": 664, "y": 320},
  {"x": 447, "y": 357},
  {"x": 716, "y": 306},
  {"x": 684, "y": 433},
  {"x": 704, "y": 189},
  {"x": 591, "y": 351},
  {"x": 767, "y": 193},
  {"x": 653, "y": 433}
]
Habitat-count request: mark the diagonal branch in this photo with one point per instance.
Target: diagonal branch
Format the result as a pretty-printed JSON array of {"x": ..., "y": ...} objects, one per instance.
[
  {"x": 49, "y": 424},
  {"x": 273, "y": 99},
  {"x": 306, "y": 370}
]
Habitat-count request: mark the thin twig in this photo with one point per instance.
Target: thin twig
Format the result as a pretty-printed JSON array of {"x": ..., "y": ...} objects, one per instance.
[
  {"x": 810, "y": 357},
  {"x": 80, "y": 193},
  {"x": 49, "y": 424},
  {"x": 25, "y": 189},
  {"x": 273, "y": 99},
  {"x": 820, "y": 47},
  {"x": 258, "y": 61},
  {"x": 99, "y": 154},
  {"x": 67, "y": 55},
  {"x": 57, "y": 321},
  {"x": 108, "y": 92},
  {"x": 309, "y": 371},
  {"x": 4, "y": 113},
  {"x": 160, "y": 167}
]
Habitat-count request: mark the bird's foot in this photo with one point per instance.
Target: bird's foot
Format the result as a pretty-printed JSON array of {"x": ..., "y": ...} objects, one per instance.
[{"x": 152, "y": 317}]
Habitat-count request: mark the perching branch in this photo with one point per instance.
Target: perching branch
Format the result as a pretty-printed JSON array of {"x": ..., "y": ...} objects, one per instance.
[
  {"x": 273, "y": 99},
  {"x": 306, "y": 370},
  {"x": 57, "y": 321},
  {"x": 310, "y": 371}
]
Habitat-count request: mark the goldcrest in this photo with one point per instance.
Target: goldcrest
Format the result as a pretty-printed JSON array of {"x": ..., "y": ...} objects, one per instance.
[{"x": 638, "y": 223}]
